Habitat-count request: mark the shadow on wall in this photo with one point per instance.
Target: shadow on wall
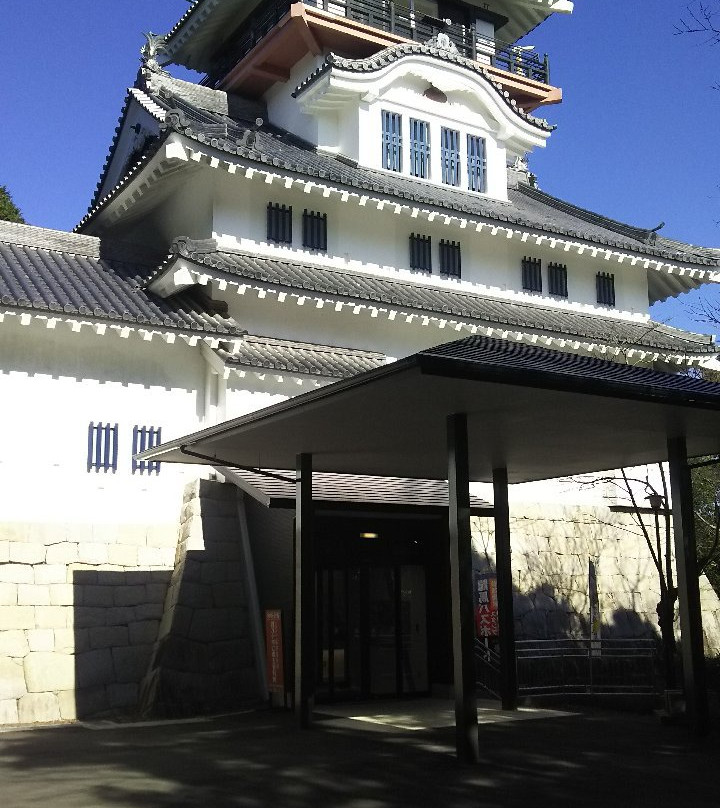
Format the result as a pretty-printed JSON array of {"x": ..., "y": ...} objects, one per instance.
[
  {"x": 116, "y": 619},
  {"x": 545, "y": 613},
  {"x": 203, "y": 660}
]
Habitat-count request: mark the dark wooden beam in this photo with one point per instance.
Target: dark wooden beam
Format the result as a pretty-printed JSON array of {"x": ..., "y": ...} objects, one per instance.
[
  {"x": 506, "y": 620},
  {"x": 463, "y": 629},
  {"x": 691, "y": 632},
  {"x": 304, "y": 593}
]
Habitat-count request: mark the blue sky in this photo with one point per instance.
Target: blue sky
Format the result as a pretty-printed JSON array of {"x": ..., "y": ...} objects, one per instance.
[{"x": 636, "y": 137}]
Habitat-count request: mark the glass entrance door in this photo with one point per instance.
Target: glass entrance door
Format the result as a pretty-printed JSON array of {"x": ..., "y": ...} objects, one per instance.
[{"x": 372, "y": 631}]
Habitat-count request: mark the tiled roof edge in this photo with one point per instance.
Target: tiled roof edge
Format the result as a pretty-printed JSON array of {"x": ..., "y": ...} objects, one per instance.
[
  {"x": 639, "y": 233},
  {"x": 314, "y": 346},
  {"x": 95, "y": 208},
  {"x": 209, "y": 258},
  {"x": 44, "y": 238},
  {"x": 173, "y": 32},
  {"x": 394, "y": 53}
]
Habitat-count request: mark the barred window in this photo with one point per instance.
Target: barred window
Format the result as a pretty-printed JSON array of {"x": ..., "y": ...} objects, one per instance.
[
  {"x": 419, "y": 148},
  {"x": 605, "y": 285},
  {"x": 102, "y": 447},
  {"x": 531, "y": 274},
  {"x": 391, "y": 141},
  {"x": 450, "y": 156},
  {"x": 145, "y": 437},
  {"x": 476, "y": 163},
  {"x": 450, "y": 258},
  {"x": 279, "y": 223},
  {"x": 420, "y": 253},
  {"x": 314, "y": 230},
  {"x": 557, "y": 279}
]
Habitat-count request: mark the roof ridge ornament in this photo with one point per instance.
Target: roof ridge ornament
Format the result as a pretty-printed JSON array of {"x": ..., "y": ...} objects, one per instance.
[
  {"x": 149, "y": 52},
  {"x": 443, "y": 42}
]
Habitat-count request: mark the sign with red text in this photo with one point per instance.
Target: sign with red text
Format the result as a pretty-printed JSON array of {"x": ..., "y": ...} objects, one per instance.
[
  {"x": 274, "y": 651},
  {"x": 486, "y": 609}
]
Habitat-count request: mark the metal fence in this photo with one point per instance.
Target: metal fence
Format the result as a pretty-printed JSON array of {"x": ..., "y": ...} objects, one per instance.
[{"x": 546, "y": 667}]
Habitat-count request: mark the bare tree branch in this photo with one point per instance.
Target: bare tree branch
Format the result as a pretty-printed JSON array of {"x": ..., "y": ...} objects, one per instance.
[{"x": 701, "y": 18}]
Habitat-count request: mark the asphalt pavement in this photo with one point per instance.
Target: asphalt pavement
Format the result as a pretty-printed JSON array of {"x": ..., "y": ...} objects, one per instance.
[{"x": 378, "y": 755}]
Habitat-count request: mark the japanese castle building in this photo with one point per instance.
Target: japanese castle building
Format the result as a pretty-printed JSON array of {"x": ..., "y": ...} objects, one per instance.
[{"x": 347, "y": 185}]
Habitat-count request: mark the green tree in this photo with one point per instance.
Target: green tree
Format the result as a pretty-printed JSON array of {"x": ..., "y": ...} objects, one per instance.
[{"x": 9, "y": 211}]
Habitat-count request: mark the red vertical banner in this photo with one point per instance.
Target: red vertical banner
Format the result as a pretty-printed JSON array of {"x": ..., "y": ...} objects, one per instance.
[
  {"x": 486, "y": 605},
  {"x": 274, "y": 651}
]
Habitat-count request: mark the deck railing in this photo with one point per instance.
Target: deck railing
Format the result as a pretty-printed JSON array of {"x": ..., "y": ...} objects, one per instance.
[{"x": 394, "y": 18}]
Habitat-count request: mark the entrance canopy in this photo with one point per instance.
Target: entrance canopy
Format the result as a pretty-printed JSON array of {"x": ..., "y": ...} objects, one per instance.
[{"x": 536, "y": 412}]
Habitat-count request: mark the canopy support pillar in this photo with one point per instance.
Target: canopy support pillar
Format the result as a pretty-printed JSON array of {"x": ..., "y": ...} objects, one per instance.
[
  {"x": 463, "y": 629},
  {"x": 305, "y": 619},
  {"x": 506, "y": 620},
  {"x": 691, "y": 632}
]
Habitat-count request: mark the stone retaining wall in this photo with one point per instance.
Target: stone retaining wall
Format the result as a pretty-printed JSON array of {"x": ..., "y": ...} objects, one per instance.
[
  {"x": 551, "y": 550},
  {"x": 79, "y": 610},
  {"x": 203, "y": 660}
]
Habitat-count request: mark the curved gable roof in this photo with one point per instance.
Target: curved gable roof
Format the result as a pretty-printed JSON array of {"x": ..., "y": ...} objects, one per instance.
[{"x": 397, "y": 53}]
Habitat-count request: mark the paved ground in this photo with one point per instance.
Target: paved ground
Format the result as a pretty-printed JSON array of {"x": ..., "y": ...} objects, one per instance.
[{"x": 398, "y": 754}]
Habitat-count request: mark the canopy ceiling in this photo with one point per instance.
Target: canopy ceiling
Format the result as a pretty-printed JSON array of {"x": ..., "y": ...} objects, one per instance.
[{"x": 537, "y": 412}]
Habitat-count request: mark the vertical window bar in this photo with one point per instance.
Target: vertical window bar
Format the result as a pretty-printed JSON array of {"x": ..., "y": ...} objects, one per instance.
[
  {"x": 420, "y": 252},
  {"x": 419, "y": 148},
  {"x": 98, "y": 446},
  {"x": 477, "y": 163},
  {"x": 114, "y": 440},
  {"x": 136, "y": 464},
  {"x": 279, "y": 223},
  {"x": 557, "y": 279},
  {"x": 146, "y": 437},
  {"x": 287, "y": 231},
  {"x": 605, "y": 284},
  {"x": 102, "y": 447},
  {"x": 391, "y": 141},
  {"x": 271, "y": 222},
  {"x": 90, "y": 445},
  {"x": 106, "y": 447},
  {"x": 155, "y": 440},
  {"x": 450, "y": 156},
  {"x": 532, "y": 274},
  {"x": 450, "y": 258},
  {"x": 314, "y": 230}
]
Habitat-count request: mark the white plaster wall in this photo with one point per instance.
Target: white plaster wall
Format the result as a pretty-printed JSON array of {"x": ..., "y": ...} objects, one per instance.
[
  {"x": 284, "y": 111},
  {"x": 127, "y": 143},
  {"x": 490, "y": 263},
  {"x": 408, "y": 100},
  {"x": 84, "y": 557},
  {"x": 54, "y": 384}
]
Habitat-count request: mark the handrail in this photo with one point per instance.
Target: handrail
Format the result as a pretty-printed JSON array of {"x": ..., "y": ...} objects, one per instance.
[
  {"x": 394, "y": 18},
  {"x": 577, "y": 666}
]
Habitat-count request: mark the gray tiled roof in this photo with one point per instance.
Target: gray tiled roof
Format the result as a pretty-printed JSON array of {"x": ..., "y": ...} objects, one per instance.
[
  {"x": 578, "y": 373},
  {"x": 385, "y": 57},
  {"x": 353, "y": 489},
  {"x": 527, "y": 207},
  {"x": 485, "y": 310},
  {"x": 290, "y": 356},
  {"x": 50, "y": 271}
]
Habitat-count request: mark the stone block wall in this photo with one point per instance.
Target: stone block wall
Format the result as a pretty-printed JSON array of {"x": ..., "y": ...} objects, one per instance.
[
  {"x": 551, "y": 550},
  {"x": 203, "y": 660},
  {"x": 80, "y": 606}
]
